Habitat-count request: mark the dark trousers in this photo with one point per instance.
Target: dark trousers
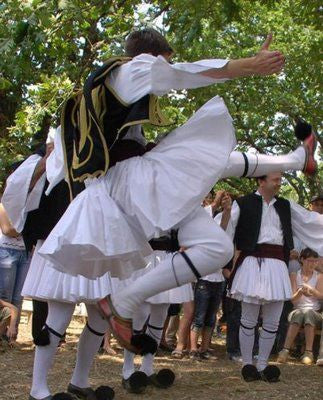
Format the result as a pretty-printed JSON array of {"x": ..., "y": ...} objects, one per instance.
[
  {"x": 40, "y": 311},
  {"x": 207, "y": 299},
  {"x": 233, "y": 325}
]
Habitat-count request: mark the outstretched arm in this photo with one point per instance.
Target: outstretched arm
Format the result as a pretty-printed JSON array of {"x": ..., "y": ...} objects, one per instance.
[
  {"x": 307, "y": 227},
  {"x": 148, "y": 74},
  {"x": 265, "y": 62}
]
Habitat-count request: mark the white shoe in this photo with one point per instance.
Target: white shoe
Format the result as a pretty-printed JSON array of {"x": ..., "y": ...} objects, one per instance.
[
  {"x": 283, "y": 356},
  {"x": 319, "y": 361},
  {"x": 307, "y": 358}
]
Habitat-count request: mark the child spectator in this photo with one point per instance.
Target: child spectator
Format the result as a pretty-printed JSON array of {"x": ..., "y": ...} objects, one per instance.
[
  {"x": 8, "y": 321},
  {"x": 307, "y": 286}
]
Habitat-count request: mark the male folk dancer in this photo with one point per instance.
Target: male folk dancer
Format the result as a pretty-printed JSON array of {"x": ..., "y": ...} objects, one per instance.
[
  {"x": 36, "y": 213},
  {"x": 145, "y": 194},
  {"x": 262, "y": 226}
]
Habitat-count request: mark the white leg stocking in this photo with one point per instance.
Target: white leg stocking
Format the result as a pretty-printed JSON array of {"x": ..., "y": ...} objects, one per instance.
[
  {"x": 139, "y": 319},
  {"x": 209, "y": 248},
  {"x": 88, "y": 346},
  {"x": 155, "y": 330},
  {"x": 249, "y": 319},
  {"x": 59, "y": 316},
  {"x": 270, "y": 320},
  {"x": 253, "y": 165}
]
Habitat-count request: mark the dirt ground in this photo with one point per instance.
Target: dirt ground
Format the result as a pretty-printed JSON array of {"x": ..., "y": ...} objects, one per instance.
[{"x": 217, "y": 378}]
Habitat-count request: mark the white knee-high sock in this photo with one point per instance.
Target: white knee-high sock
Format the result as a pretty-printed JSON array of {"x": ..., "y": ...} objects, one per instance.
[
  {"x": 88, "y": 346},
  {"x": 253, "y": 165},
  {"x": 270, "y": 321},
  {"x": 139, "y": 319},
  {"x": 249, "y": 319},
  {"x": 210, "y": 248},
  {"x": 59, "y": 316},
  {"x": 155, "y": 330}
]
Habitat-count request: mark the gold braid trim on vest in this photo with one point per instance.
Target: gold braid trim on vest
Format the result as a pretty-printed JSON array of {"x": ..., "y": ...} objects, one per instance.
[{"x": 82, "y": 123}]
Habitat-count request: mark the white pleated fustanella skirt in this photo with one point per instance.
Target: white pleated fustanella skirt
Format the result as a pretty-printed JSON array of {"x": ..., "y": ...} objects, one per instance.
[
  {"x": 111, "y": 221},
  {"x": 261, "y": 283},
  {"x": 44, "y": 282}
]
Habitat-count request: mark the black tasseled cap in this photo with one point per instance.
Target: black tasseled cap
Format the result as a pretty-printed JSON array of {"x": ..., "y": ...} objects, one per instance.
[{"x": 302, "y": 129}]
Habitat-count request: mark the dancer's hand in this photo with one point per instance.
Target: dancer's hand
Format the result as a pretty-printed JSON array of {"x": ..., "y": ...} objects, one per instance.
[
  {"x": 293, "y": 255},
  {"x": 217, "y": 199},
  {"x": 268, "y": 62},
  {"x": 265, "y": 62},
  {"x": 226, "y": 202}
]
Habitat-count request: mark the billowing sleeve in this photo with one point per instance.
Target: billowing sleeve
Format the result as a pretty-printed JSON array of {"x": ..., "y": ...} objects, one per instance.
[
  {"x": 232, "y": 224},
  {"x": 307, "y": 227},
  {"x": 16, "y": 200},
  {"x": 55, "y": 168},
  {"x": 146, "y": 74}
]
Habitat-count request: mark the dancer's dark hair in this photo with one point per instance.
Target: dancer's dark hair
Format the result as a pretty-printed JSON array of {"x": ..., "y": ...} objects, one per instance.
[{"x": 147, "y": 40}]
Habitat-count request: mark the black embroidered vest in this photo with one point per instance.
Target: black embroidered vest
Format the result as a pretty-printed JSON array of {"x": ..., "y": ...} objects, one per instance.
[
  {"x": 95, "y": 119},
  {"x": 40, "y": 222},
  {"x": 248, "y": 227}
]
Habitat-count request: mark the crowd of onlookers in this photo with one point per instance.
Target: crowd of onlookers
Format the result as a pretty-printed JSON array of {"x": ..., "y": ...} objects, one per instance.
[{"x": 190, "y": 326}]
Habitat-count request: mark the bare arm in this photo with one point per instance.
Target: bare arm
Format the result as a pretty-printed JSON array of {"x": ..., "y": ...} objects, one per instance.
[
  {"x": 297, "y": 293},
  {"x": 12, "y": 330},
  {"x": 38, "y": 172},
  {"x": 317, "y": 291},
  {"x": 226, "y": 203},
  {"x": 5, "y": 224},
  {"x": 266, "y": 62}
]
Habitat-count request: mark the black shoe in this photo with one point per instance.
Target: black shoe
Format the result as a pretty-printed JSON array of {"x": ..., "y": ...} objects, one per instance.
[
  {"x": 102, "y": 392},
  {"x": 195, "y": 355},
  {"x": 63, "y": 396},
  {"x": 136, "y": 383},
  {"x": 44, "y": 398},
  {"x": 250, "y": 373},
  {"x": 205, "y": 355},
  {"x": 163, "y": 379},
  {"x": 270, "y": 374}
]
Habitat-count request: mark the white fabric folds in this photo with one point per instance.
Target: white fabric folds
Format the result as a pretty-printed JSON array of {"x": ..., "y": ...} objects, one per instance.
[
  {"x": 43, "y": 282},
  {"x": 15, "y": 199},
  {"x": 142, "y": 197},
  {"x": 261, "y": 284}
]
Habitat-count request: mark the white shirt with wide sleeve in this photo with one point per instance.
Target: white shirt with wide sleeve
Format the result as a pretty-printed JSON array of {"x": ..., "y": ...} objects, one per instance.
[
  {"x": 146, "y": 74},
  {"x": 307, "y": 226},
  {"x": 16, "y": 198}
]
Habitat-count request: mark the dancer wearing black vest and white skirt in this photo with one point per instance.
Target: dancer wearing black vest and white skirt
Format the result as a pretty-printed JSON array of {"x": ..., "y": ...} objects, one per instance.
[
  {"x": 36, "y": 196},
  {"x": 144, "y": 193},
  {"x": 262, "y": 226}
]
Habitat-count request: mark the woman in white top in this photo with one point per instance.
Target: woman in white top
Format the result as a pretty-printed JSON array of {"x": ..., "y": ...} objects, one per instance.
[{"x": 307, "y": 286}]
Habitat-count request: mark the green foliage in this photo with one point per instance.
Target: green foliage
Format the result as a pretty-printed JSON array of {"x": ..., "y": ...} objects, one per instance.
[{"x": 49, "y": 47}]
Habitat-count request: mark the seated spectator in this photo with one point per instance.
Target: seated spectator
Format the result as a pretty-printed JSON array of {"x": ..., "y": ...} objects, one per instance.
[
  {"x": 8, "y": 321},
  {"x": 307, "y": 286}
]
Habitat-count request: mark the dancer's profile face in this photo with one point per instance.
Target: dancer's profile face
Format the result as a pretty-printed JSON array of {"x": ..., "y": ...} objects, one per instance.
[
  {"x": 168, "y": 57},
  {"x": 317, "y": 206}
]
